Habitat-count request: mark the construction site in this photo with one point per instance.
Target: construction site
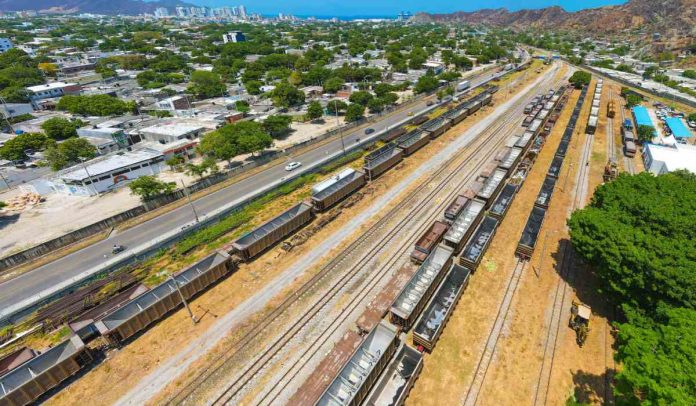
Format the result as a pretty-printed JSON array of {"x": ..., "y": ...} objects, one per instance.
[{"x": 432, "y": 268}]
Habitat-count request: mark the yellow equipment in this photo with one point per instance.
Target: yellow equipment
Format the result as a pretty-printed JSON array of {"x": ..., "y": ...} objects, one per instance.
[{"x": 580, "y": 321}]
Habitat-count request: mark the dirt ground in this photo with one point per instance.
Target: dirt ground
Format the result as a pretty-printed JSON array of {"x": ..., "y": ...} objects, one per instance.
[{"x": 514, "y": 371}]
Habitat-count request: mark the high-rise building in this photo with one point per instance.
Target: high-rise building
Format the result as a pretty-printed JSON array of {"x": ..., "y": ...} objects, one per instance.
[
  {"x": 182, "y": 12},
  {"x": 242, "y": 12},
  {"x": 161, "y": 12}
]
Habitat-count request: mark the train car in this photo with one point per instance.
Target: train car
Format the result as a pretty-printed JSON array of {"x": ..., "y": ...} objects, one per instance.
[
  {"x": 511, "y": 159},
  {"x": 412, "y": 141},
  {"x": 398, "y": 379},
  {"x": 524, "y": 141},
  {"x": 431, "y": 324},
  {"x": 393, "y": 134},
  {"x": 527, "y": 121},
  {"x": 591, "y": 125},
  {"x": 436, "y": 126},
  {"x": 478, "y": 243},
  {"x": 382, "y": 159},
  {"x": 535, "y": 126},
  {"x": 556, "y": 165},
  {"x": 501, "y": 204},
  {"x": 492, "y": 186},
  {"x": 528, "y": 108},
  {"x": 630, "y": 149},
  {"x": 327, "y": 193},
  {"x": 544, "y": 197},
  {"x": 464, "y": 225},
  {"x": 26, "y": 383},
  {"x": 611, "y": 109},
  {"x": 594, "y": 112},
  {"x": 254, "y": 242},
  {"x": 530, "y": 234},
  {"x": 457, "y": 114},
  {"x": 153, "y": 305},
  {"x": 429, "y": 240},
  {"x": 353, "y": 383},
  {"x": 415, "y": 295},
  {"x": 454, "y": 208},
  {"x": 418, "y": 120}
]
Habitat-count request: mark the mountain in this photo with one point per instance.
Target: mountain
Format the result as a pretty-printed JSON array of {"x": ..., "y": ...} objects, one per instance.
[
  {"x": 657, "y": 15},
  {"x": 109, "y": 7}
]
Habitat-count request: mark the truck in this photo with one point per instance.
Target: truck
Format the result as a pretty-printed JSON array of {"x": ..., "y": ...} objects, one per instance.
[
  {"x": 628, "y": 124},
  {"x": 463, "y": 86}
]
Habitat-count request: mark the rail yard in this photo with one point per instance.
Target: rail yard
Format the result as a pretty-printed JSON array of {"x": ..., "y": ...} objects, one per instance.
[{"x": 368, "y": 319}]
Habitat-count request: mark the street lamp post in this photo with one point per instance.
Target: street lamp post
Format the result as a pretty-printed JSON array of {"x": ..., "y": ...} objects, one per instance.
[
  {"x": 188, "y": 197},
  {"x": 340, "y": 131}
]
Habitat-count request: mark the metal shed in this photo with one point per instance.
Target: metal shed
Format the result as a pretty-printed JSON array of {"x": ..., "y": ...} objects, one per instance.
[
  {"x": 416, "y": 293},
  {"x": 329, "y": 192},
  {"x": 258, "y": 240},
  {"x": 26, "y": 383},
  {"x": 478, "y": 243},
  {"x": 156, "y": 303},
  {"x": 435, "y": 316},
  {"x": 353, "y": 383},
  {"x": 464, "y": 225}
]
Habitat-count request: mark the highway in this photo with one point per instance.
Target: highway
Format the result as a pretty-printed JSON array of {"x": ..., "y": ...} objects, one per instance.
[{"x": 45, "y": 278}]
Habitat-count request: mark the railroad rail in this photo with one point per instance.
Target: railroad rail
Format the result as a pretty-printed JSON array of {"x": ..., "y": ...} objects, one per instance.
[
  {"x": 250, "y": 372},
  {"x": 566, "y": 274}
]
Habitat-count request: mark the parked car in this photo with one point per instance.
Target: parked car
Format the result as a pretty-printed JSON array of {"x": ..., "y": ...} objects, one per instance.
[{"x": 292, "y": 166}]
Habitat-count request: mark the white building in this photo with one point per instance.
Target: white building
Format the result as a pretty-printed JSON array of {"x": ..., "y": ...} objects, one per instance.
[
  {"x": 233, "y": 36},
  {"x": 5, "y": 44},
  {"x": 660, "y": 159},
  {"x": 51, "y": 90},
  {"x": 171, "y": 132},
  {"x": 161, "y": 12},
  {"x": 109, "y": 172},
  {"x": 11, "y": 110}
]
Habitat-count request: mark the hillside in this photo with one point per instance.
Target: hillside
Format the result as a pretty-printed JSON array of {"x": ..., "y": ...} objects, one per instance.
[
  {"x": 124, "y": 7},
  {"x": 658, "y": 15}
]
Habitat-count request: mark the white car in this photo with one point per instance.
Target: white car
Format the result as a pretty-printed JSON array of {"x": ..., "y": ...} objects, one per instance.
[{"x": 292, "y": 166}]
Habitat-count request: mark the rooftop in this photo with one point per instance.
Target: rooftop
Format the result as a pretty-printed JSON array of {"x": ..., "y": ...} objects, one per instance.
[
  {"x": 108, "y": 163},
  {"x": 678, "y": 128},
  {"x": 172, "y": 129},
  {"x": 673, "y": 158},
  {"x": 49, "y": 86}
]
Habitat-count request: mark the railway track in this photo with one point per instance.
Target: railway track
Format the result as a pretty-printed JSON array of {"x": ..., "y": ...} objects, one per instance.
[
  {"x": 492, "y": 342},
  {"x": 629, "y": 165},
  {"x": 478, "y": 158},
  {"x": 611, "y": 139},
  {"x": 267, "y": 321},
  {"x": 566, "y": 275}
]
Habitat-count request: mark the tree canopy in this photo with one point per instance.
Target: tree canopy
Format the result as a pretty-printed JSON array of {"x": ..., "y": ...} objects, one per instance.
[
  {"x": 286, "y": 95},
  {"x": 354, "y": 112},
  {"x": 580, "y": 79},
  {"x": 277, "y": 125},
  {"x": 14, "y": 149},
  {"x": 149, "y": 186},
  {"x": 59, "y": 128},
  {"x": 206, "y": 84},
  {"x": 426, "y": 83},
  {"x": 235, "y": 139},
  {"x": 95, "y": 105},
  {"x": 69, "y": 152},
  {"x": 314, "y": 111}
]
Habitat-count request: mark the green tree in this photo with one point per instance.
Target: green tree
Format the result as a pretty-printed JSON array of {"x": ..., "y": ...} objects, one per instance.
[
  {"x": 286, "y": 95},
  {"x": 375, "y": 105},
  {"x": 277, "y": 125},
  {"x": 175, "y": 162},
  {"x": 692, "y": 117},
  {"x": 148, "y": 186},
  {"x": 689, "y": 73},
  {"x": 14, "y": 149},
  {"x": 206, "y": 84},
  {"x": 645, "y": 133},
  {"x": 234, "y": 139},
  {"x": 360, "y": 97},
  {"x": 219, "y": 145},
  {"x": 242, "y": 106},
  {"x": 69, "y": 152},
  {"x": 59, "y": 128},
  {"x": 580, "y": 79},
  {"x": 314, "y": 111},
  {"x": 95, "y": 105},
  {"x": 333, "y": 84},
  {"x": 335, "y": 106},
  {"x": 657, "y": 359},
  {"x": 426, "y": 83},
  {"x": 381, "y": 89},
  {"x": 198, "y": 171},
  {"x": 354, "y": 112},
  {"x": 389, "y": 98},
  {"x": 633, "y": 99}
]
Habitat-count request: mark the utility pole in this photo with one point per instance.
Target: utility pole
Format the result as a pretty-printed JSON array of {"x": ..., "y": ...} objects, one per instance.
[
  {"x": 183, "y": 300},
  {"x": 188, "y": 196},
  {"x": 2, "y": 176},
  {"x": 340, "y": 131},
  {"x": 91, "y": 181}
]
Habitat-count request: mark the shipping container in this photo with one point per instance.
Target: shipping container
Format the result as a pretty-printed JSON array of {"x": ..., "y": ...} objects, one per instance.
[
  {"x": 253, "y": 243},
  {"x": 456, "y": 207},
  {"x": 435, "y": 316},
  {"x": 396, "y": 382},
  {"x": 415, "y": 295},
  {"x": 355, "y": 380},
  {"x": 412, "y": 141},
  {"x": 464, "y": 225},
  {"x": 477, "y": 245},
  {"x": 501, "y": 205},
  {"x": 153, "y": 305},
  {"x": 429, "y": 240},
  {"x": 331, "y": 191},
  {"x": 26, "y": 383}
]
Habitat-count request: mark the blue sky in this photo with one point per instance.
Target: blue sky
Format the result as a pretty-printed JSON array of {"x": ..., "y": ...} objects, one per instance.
[{"x": 391, "y": 7}]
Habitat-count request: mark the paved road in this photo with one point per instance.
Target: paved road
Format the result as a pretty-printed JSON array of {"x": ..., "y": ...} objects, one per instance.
[{"x": 45, "y": 277}]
